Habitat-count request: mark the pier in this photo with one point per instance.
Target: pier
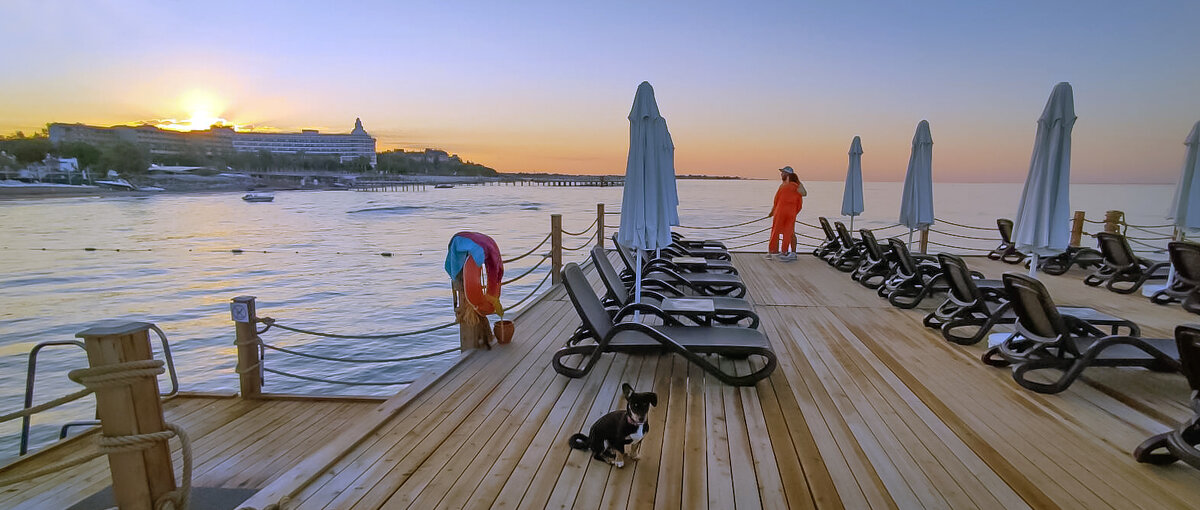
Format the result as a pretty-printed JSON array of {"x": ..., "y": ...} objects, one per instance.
[{"x": 868, "y": 409}]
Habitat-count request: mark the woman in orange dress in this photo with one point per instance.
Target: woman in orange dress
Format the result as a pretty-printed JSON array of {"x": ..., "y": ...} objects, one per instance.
[{"x": 789, "y": 199}]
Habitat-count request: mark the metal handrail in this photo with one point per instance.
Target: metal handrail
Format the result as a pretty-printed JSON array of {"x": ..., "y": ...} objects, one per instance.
[{"x": 31, "y": 377}]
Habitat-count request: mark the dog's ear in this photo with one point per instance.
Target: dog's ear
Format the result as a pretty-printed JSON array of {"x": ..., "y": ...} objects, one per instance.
[
  {"x": 653, "y": 398},
  {"x": 626, "y": 390}
]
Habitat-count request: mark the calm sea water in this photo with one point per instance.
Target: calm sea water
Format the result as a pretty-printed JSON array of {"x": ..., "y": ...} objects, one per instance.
[{"x": 312, "y": 259}]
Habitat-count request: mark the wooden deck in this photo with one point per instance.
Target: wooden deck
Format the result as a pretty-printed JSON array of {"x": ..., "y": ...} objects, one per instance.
[
  {"x": 236, "y": 444},
  {"x": 867, "y": 409}
]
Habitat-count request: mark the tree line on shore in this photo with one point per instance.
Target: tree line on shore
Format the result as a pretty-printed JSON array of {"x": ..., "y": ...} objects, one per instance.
[{"x": 19, "y": 150}]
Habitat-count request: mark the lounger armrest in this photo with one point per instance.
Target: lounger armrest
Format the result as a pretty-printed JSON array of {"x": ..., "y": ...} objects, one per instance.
[
  {"x": 653, "y": 294},
  {"x": 645, "y": 308}
]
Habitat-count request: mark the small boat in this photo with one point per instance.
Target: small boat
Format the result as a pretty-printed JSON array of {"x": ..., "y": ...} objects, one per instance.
[
  {"x": 120, "y": 184},
  {"x": 258, "y": 197},
  {"x": 443, "y": 186}
]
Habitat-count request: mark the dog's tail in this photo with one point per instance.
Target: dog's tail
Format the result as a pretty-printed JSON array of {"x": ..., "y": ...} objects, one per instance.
[{"x": 579, "y": 442}]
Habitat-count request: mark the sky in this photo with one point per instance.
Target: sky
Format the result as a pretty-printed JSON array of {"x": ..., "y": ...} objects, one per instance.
[{"x": 745, "y": 87}]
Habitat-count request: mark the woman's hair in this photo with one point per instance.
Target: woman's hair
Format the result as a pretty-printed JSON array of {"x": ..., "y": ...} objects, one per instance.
[{"x": 792, "y": 178}]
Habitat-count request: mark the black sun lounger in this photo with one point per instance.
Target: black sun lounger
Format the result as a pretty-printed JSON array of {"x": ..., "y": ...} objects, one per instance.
[
  {"x": 1185, "y": 287},
  {"x": 1181, "y": 443},
  {"x": 704, "y": 284},
  {"x": 830, "y": 246},
  {"x": 1007, "y": 251},
  {"x": 851, "y": 251},
  {"x": 1048, "y": 340},
  {"x": 970, "y": 308},
  {"x": 727, "y": 310},
  {"x": 697, "y": 243},
  {"x": 1122, "y": 266},
  {"x": 691, "y": 342},
  {"x": 912, "y": 278},
  {"x": 876, "y": 264},
  {"x": 667, "y": 260}
]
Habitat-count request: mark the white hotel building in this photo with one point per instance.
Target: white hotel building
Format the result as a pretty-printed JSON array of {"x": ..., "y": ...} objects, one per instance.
[{"x": 346, "y": 147}]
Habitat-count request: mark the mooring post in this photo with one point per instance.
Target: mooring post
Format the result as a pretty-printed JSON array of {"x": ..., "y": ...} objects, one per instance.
[
  {"x": 924, "y": 240},
  {"x": 1113, "y": 220},
  {"x": 249, "y": 364},
  {"x": 139, "y": 477},
  {"x": 1077, "y": 228},
  {"x": 555, "y": 249},
  {"x": 600, "y": 225}
]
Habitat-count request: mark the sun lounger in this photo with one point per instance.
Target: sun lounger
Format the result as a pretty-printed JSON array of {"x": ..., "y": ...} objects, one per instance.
[
  {"x": 705, "y": 284},
  {"x": 974, "y": 306},
  {"x": 1122, "y": 266},
  {"x": 876, "y": 263},
  {"x": 727, "y": 310},
  {"x": 1007, "y": 251},
  {"x": 697, "y": 243},
  {"x": 1074, "y": 256},
  {"x": 912, "y": 279},
  {"x": 830, "y": 246},
  {"x": 691, "y": 342},
  {"x": 668, "y": 260},
  {"x": 1181, "y": 443},
  {"x": 1048, "y": 340},
  {"x": 850, "y": 253},
  {"x": 1185, "y": 287}
]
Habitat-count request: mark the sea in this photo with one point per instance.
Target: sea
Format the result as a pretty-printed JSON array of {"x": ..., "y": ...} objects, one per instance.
[{"x": 367, "y": 263}]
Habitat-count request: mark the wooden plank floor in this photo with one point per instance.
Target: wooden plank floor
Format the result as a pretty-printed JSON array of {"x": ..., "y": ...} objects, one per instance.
[
  {"x": 235, "y": 444},
  {"x": 867, "y": 409}
]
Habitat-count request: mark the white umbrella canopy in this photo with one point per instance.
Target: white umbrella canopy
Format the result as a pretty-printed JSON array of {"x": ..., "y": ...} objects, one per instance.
[
  {"x": 916, "y": 204},
  {"x": 852, "y": 196},
  {"x": 1185, "y": 209},
  {"x": 650, "y": 202},
  {"x": 1041, "y": 226}
]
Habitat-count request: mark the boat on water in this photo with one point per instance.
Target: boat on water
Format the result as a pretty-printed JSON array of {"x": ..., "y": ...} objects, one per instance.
[
  {"x": 443, "y": 186},
  {"x": 258, "y": 197},
  {"x": 120, "y": 184}
]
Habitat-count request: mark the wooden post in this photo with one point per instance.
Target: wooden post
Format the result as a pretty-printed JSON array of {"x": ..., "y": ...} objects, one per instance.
[
  {"x": 1113, "y": 220},
  {"x": 139, "y": 477},
  {"x": 249, "y": 365},
  {"x": 600, "y": 225},
  {"x": 555, "y": 249},
  {"x": 1077, "y": 228},
  {"x": 925, "y": 240}
]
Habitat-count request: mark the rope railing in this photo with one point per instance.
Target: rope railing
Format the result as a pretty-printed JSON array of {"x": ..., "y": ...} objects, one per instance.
[
  {"x": 270, "y": 322},
  {"x": 726, "y": 226},
  {"x": 973, "y": 227},
  {"x": 584, "y": 231},
  {"x": 333, "y": 381},
  {"x": 584, "y": 245},
  {"x": 526, "y": 273},
  {"x": 530, "y": 252},
  {"x": 359, "y": 360},
  {"x": 961, "y": 236},
  {"x": 741, "y": 236}
]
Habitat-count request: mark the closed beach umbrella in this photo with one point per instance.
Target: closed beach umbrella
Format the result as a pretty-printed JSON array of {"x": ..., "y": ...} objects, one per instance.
[
  {"x": 1041, "y": 226},
  {"x": 916, "y": 204},
  {"x": 1185, "y": 210},
  {"x": 649, "y": 204},
  {"x": 852, "y": 196}
]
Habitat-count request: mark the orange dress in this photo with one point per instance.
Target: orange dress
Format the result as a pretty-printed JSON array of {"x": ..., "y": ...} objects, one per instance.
[{"x": 788, "y": 202}]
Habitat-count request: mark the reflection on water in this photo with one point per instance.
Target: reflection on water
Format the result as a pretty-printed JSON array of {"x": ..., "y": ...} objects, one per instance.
[{"x": 313, "y": 259}]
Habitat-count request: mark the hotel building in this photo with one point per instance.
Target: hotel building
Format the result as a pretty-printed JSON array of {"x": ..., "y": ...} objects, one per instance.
[{"x": 346, "y": 147}]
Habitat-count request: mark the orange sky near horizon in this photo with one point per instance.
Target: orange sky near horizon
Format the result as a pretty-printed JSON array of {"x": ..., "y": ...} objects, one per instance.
[{"x": 546, "y": 88}]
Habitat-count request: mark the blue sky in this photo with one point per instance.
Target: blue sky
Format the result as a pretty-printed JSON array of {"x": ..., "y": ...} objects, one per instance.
[{"x": 545, "y": 86}]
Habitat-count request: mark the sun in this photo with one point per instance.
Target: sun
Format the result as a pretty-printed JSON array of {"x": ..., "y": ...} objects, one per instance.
[{"x": 203, "y": 112}]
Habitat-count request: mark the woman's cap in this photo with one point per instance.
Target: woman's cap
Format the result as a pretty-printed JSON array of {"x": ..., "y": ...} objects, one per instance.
[{"x": 787, "y": 170}]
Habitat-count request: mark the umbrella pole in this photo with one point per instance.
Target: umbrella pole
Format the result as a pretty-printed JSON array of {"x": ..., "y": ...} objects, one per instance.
[
  {"x": 1033, "y": 262},
  {"x": 910, "y": 231},
  {"x": 637, "y": 285},
  {"x": 851, "y": 224}
]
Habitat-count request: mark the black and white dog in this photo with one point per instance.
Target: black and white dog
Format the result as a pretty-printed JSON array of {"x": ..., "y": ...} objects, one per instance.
[{"x": 613, "y": 431}]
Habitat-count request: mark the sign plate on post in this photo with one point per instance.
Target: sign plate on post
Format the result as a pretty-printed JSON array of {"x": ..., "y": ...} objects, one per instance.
[{"x": 240, "y": 312}]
